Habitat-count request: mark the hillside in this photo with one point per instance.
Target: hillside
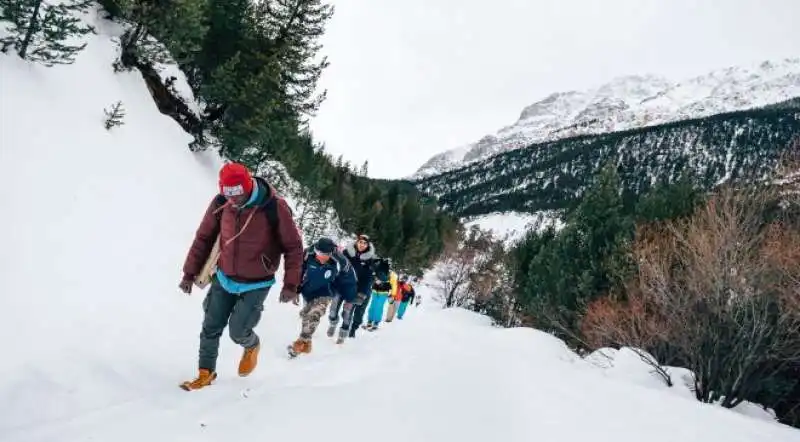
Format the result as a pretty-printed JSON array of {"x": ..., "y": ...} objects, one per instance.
[
  {"x": 553, "y": 175},
  {"x": 630, "y": 102}
]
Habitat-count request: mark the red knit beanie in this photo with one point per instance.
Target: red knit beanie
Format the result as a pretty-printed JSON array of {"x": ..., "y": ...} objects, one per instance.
[{"x": 235, "y": 180}]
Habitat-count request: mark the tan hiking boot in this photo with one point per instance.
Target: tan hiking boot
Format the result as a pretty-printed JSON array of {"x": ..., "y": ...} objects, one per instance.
[
  {"x": 204, "y": 378},
  {"x": 301, "y": 346},
  {"x": 298, "y": 346},
  {"x": 249, "y": 360}
]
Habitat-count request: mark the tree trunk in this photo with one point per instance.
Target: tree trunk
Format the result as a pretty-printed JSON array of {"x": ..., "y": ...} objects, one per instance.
[{"x": 23, "y": 50}]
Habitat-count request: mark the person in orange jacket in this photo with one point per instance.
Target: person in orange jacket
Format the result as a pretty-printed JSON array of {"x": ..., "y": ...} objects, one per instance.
[{"x": 407, "y": 295}]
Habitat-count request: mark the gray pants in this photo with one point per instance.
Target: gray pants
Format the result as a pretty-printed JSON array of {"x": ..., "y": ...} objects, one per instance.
[
  {"x": 240, "y": 312},
  {"x": 347, "y": 313}
]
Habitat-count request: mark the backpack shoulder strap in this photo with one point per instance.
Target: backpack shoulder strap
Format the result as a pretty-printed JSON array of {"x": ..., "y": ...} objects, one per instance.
[
  {"x": 271, "y": 210},
  {"x": 219, "y": 201}
]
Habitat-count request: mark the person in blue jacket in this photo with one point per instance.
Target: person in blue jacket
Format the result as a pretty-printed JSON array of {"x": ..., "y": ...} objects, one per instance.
[
  {"x": 326, "y": 273},
  {"x": 362, "y": 256}
]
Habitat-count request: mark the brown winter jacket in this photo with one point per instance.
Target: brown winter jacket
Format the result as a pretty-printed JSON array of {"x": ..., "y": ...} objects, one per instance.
[{"x": 254, "y": 255}]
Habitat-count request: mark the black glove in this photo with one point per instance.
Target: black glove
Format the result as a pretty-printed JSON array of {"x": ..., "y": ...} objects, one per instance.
[
  {"x": 288, "y": 295},
  {"x": 186, "y": 286}
]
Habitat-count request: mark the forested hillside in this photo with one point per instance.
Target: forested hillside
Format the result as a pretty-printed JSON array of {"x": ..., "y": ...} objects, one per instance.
[{"x": 738, "y": 146}]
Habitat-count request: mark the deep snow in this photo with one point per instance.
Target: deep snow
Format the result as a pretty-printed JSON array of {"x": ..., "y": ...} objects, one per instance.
[{"x": 97, "y": 337}]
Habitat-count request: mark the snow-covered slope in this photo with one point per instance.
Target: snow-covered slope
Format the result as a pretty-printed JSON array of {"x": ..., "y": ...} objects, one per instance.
[
  {"x": 96, "y": 335},
  {"x": 512, "y": 226},
  {"x": 630, "y": 102}
]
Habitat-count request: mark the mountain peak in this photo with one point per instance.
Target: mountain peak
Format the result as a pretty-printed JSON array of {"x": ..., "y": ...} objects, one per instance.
[{"x": 628, "y": 102}]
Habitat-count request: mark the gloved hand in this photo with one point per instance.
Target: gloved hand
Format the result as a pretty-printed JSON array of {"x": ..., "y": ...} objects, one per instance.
[
  {"x": 186, "y": 285},
  {"x": 288, "y": 295}
]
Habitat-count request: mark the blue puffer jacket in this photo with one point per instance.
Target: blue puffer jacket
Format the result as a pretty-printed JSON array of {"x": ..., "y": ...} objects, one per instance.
[
  {"x": 362, "y": 262},
  {"x": 336, "y": 276}
]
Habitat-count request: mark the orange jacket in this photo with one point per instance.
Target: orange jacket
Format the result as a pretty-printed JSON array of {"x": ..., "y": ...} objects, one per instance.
[{"x": 402, "y": 287}]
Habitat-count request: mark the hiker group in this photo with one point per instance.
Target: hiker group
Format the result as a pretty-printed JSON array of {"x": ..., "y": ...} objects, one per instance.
[{"x": 245, "y": 231}]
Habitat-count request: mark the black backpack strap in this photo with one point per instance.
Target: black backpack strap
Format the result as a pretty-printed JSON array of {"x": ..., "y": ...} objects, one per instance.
[
  {"x": 271, "y": 210},
  {"x": 219, "y": 201}
]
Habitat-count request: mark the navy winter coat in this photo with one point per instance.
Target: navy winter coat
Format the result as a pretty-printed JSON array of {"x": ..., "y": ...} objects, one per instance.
[
  {"x": 362, "y": 262},
  {"x": 336, "y": 276}
]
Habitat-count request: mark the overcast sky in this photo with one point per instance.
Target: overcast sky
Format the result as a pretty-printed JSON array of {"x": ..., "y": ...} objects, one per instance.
[{"x": 412, "y": 78}]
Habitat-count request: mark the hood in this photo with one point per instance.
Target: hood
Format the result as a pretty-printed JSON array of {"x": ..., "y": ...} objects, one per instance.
[
  {"x": 265, "y": 192},
  {"x": 365, "y": 256}
]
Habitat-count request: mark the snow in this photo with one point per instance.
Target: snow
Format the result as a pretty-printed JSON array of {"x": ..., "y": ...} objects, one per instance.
[
  {"x": 630, "y": 102},
  {"x": 97, "y": 336},
  {"x": 638, "y": 367},
  {"x": 512, "y": 226}
]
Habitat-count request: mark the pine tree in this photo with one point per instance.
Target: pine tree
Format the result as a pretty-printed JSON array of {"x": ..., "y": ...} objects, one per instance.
[
  {"x": 162, "y": 31},
  {"x": 40, "y": 31},
  {"x": 114, "y": 116},
  {"x": 294, "y": 28},
  {"x": 558, "y": 273}
]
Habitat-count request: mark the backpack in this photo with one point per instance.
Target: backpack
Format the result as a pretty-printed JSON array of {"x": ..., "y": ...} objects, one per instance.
[{"x": 382, "y": 270}]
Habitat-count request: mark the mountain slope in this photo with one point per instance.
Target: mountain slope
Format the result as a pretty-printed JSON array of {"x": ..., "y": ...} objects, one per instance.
[
  {"x": 631, "y": 102},
  {"x": 97, "y": 335},
  {"x": 553, "y": 175}
]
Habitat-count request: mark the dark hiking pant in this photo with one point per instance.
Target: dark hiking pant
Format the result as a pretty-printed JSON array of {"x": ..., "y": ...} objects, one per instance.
[
  {"x": 240, "y": 312},
  {"x": 347, "y": 313},
  {"x": 359, "y": 308},
  {"x": 311, "y": 314}
]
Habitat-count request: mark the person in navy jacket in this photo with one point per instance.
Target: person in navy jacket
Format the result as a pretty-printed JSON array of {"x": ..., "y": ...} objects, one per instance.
[{"x": 326, "y": 274}]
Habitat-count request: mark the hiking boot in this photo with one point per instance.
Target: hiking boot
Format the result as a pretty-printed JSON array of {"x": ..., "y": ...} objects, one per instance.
[
  {"x": 204, "y": 378},
  {"x": 331, "y": 330},
  {"x": 249, "y": 360},
  {"x": 342, "y": 336},
  {"x": 301, "y": 346}
]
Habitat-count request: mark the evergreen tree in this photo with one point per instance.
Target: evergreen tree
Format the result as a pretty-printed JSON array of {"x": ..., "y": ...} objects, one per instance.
[
  {"x": 294, "y": 27},
  {"x": 163, "y": 30},
  {"x": 114, "y": 116},
  {"x": 41, "y": 32},
  {"x": 669, "y": 201},
  {"x": 558, "y": 273}
]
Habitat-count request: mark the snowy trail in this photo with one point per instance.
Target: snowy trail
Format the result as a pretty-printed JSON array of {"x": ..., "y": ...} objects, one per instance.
[
  {"x": 438, "y": 375},
  {"x": 97, "y": 337}
]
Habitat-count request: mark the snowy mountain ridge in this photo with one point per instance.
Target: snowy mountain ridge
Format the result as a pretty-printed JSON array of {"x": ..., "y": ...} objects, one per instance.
[{"x": 630, "y": 102}]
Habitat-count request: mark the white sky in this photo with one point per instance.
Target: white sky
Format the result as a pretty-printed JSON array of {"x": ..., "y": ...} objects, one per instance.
[{"x": 411, "y": 78}]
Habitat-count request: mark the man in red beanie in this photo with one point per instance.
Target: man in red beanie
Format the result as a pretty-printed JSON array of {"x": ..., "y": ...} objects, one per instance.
[{"x": 253, "y": 226}]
